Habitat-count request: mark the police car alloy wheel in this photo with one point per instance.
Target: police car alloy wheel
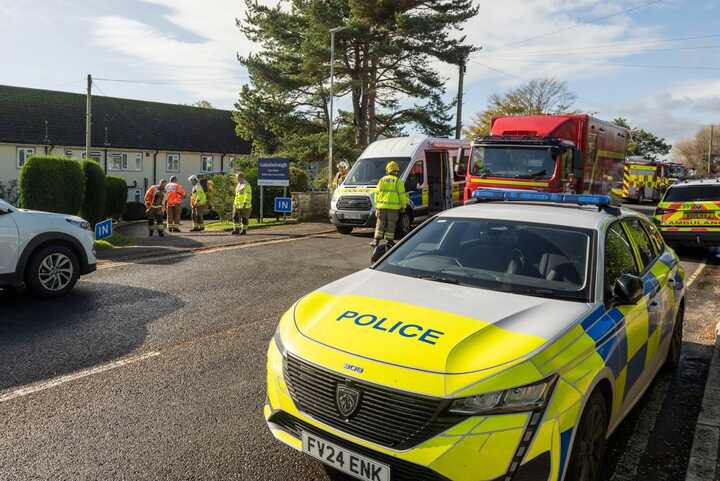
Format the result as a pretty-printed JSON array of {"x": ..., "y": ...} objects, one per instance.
[
  {"x": 53, "y": 271},
  {"x": 589, "y": 448}
]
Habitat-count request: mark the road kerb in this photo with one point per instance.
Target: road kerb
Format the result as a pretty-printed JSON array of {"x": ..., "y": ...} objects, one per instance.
[
  {"x": 106, "y": 263},
  {"x": 706, "y": 443}
]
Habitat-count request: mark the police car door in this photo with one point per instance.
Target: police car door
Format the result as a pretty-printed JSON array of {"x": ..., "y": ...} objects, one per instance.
[
  {"x": 645, "y": 334},
  {"x": 622, "y": 339}
]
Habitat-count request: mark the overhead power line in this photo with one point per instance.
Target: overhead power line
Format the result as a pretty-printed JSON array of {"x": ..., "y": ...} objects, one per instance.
[
  {"x": 610, "y": 64},
  {"x": 581, "y": 22},
  {"x": 593, "y": 52},
  {"x": 627, "y": 43},
  {"x": 167, "y": 81}
]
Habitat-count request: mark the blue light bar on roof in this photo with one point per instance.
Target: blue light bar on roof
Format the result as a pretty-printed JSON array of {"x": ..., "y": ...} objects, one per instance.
[{"x": 509, "y": 195}]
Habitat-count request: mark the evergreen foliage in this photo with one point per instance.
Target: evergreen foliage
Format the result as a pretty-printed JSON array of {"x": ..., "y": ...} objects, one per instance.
[
  {"x": 93, "y": 206},
  {"x": 52, "y": 184},
  {"x": 115, "y": 197}
]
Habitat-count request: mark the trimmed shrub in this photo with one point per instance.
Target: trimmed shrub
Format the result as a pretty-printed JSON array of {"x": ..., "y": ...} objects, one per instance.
[
  {"x": 52, "y": 184},
  {"x": 115, "y": 197},
  {"x": 93, "y": 208},
  {"x": 134, "y": 211}
]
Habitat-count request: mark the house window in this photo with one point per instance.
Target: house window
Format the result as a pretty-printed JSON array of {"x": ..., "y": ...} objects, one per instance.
[
  {"x": 94, "y": 154},
  {"x": 118, "y": 161},
  {"x": 173, "y": 163},
  {"x": 207, "y": 163},
  {"x": 124, "y": 161},
  {"x": 23, "y": 154}
]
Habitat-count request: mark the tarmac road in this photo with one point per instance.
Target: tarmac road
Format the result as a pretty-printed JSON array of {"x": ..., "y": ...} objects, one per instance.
[{"x": 155, "y": 370}]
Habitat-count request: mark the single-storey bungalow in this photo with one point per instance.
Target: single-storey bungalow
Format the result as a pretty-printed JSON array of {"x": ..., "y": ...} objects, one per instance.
[{"x": 141, "y": 142}]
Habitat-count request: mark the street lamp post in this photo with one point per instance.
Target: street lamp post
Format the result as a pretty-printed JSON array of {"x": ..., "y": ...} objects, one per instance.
[{"x": 333, "y": 31}]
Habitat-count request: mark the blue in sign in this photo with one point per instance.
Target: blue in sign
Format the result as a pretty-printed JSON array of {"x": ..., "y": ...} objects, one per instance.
[
  {"x": 103, "y": 229},
  {"x": 283, "y": 205}
]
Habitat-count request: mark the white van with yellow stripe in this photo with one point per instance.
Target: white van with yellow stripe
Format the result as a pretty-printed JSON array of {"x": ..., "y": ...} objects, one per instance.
[
  {"x": 502, "y": 341},
  {"x": 433, "y": 169}
]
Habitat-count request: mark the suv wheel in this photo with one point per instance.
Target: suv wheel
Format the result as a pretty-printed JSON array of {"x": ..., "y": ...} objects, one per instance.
[
  {"x": 344, "y": 230},
  {"x": 53, "y": 271},
  {"x": 588, "y": 450}
]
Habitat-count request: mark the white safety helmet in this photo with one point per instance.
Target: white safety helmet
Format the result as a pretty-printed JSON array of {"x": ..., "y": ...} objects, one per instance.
[
  {"x": 342, "y": 165},
  {"x": 192, "y": 179}
]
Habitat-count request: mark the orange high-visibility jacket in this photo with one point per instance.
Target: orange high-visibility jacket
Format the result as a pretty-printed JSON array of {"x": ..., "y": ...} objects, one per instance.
[
  {"x": 174, "y": 194},
  {"x": 153, "y": 197}
]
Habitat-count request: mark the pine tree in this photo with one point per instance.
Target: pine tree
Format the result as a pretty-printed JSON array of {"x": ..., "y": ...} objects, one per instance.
[{"x": 383, "y": 64}]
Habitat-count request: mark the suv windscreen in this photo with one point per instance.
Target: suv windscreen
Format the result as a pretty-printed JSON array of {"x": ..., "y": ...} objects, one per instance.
[
  {"x": 518, "y": 257},
  {"x": 693, "y": 193},
  {"x": 370, "y": 171},
  {"x": 513, "y": 162}
]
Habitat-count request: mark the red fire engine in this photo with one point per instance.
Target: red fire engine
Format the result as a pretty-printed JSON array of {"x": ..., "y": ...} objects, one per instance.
[{"x": 550, "y": 153}]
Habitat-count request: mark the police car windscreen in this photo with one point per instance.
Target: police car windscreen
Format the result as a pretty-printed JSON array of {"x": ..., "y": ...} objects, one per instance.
[
  {"x": 370, "y": 171},
  {"x": 513, "y": 162},
  {"x": 523, "y": 258},
  {"x": 693, "y": 193}
]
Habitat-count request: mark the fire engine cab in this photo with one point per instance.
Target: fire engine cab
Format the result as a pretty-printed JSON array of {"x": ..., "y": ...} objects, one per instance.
[{"x": 551, "y": 153}]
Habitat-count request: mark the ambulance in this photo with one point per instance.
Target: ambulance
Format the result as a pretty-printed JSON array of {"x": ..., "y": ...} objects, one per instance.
[
  {"x": 499, "y": 341},
  {"x": 689, "y": 213},
  {"x": 433, "y": 169}
]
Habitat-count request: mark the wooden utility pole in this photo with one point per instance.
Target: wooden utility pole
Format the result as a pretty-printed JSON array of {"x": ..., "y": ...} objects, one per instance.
[
  {"x": 461, "y": 80},
  {"x": 710, "y": 149},
  {"x": 88, "y": 118}
]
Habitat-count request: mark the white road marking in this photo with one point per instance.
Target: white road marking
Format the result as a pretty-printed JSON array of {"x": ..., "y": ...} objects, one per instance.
[
  {"x": 697, "y": 273},
  {"x": 33, "y": 388}
]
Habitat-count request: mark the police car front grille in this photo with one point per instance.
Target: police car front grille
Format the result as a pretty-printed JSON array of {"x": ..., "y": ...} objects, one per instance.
[
  {"x": 401, "y": 470},
  {"x": 354, "y": 202},
  {"x": 384, "y": 416}
]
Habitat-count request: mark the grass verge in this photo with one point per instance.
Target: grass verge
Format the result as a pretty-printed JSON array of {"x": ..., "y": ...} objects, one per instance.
[{"x": 115, "y": 240}]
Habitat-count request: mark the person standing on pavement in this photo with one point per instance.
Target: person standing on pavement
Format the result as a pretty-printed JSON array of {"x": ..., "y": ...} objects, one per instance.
[
  {"x": 342, "y": 172},
  {"x": 390, "y": 200},
  {"x": 198, "y": 201},
  {"x": 242, "y": 205},
  {"x": 155, "y": 208},
  {"x": 174, "y": 195}
]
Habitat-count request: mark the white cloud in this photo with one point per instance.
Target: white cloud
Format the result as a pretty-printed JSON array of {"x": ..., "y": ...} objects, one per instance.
[
  {"x": 678, "y": 112},
  {"x": 564, "y": 38},
  {"x": 202, "y": 62}
]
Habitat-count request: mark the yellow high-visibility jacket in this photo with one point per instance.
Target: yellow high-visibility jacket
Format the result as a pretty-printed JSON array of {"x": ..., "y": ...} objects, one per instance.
[
  {"x": 391, "y": 194},
  {"x": 198, "y": 197},
  {"x": 243, "y": 196}
]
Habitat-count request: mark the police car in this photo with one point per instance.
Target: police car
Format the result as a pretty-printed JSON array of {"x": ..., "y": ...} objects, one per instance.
[
  {"x": 504, "y": 340},
  {"x": 689, "y": 213}
]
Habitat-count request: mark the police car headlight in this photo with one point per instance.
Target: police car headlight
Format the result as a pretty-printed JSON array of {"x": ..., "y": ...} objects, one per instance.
[
  {"x": 519, "y": 399},
  {"x": 279, "y": 344}
]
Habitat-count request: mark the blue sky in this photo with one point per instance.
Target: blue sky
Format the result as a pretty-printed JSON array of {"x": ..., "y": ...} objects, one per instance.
[{"x": 666, "y": 53}]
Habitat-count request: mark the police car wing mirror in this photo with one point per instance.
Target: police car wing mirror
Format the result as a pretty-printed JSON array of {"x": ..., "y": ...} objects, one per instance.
[{"x": 628, "y": 289}]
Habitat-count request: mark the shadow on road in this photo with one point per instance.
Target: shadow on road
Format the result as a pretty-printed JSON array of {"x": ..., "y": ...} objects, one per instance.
[{"x": 94, "y": 324}]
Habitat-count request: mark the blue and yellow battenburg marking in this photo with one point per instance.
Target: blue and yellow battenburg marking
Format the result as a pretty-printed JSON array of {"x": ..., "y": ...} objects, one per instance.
[{"x": 620, "y": 341}]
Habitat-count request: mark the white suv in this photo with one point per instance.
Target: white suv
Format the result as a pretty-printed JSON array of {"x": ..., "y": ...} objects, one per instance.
[{"x": 47, "y": 252}]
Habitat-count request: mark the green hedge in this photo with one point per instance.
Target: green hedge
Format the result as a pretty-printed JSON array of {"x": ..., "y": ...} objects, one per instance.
[
  {"x": 93, "y": 208},
  {"x": 115, "y": 197},
  {"x": 52, "y": 184},
  {"x": 134, "y": 211}
]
